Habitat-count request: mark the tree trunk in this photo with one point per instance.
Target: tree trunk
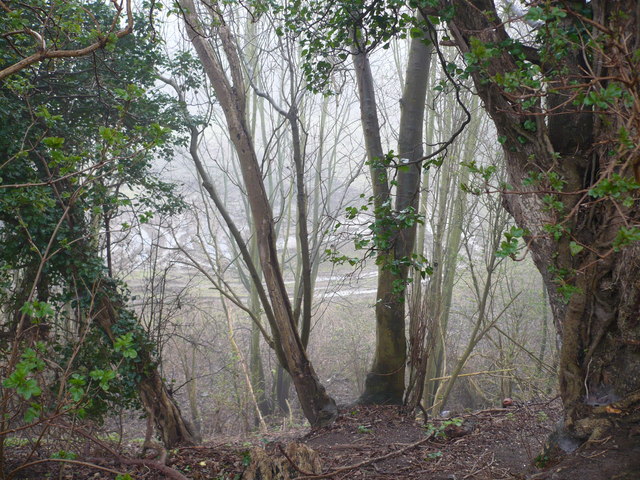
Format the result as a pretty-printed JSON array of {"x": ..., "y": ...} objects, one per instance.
[
  {"x": 385, "y": 382},
  {"x": 154, "y": 396},
  {"x": 451, "y": 206},
  {"x": 107, "y": 311},
  {"x": 545, "y": 330},
  {"x": 255, "y": 357},
  {"x": 164, "y": 411},
  {"x": 318, "y": 407},
  {"x": 598, "y": 326},
  {"x": 282, "y": 386},
  {"x": 482, "y": 293},
  {"x": 192, "y": 392},
  {"x": 305, "y": 285}
]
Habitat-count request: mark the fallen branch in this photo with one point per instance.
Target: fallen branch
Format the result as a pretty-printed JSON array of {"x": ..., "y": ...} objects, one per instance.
[
  {"x": 165, "y": 470},
  {"x": 168, "y": 472},
  {"x": 485, "y": 372},
  {"x": 152, "y": 464},
  {"x": 63, "y": 460},
  {"x": 364, "y": 463}
]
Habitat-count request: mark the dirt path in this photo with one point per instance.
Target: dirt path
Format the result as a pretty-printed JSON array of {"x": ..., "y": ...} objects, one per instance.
[
  {"x": 381, "y": 443},
  {"x": 490, "y": 444}
]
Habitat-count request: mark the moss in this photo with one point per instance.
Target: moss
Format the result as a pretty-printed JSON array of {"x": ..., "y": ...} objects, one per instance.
[{"x": 378, "y": 391}]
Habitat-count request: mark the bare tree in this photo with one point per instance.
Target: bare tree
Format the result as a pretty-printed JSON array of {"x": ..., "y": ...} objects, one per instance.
[{"x": 318, "y": 407}]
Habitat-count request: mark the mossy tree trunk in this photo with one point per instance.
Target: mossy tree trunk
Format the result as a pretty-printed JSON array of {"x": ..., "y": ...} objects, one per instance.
[
  {"x": 155, "y": 398},
  {"x": 385, "y": 382}
]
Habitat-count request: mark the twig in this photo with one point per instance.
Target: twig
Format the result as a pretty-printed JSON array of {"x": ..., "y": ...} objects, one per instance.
[
  {"x": 485, "y": 372},
  {"x": 365, "y": 463},
  {"x": 596, "y": 454},
  {"x": 472, "y": 474}
]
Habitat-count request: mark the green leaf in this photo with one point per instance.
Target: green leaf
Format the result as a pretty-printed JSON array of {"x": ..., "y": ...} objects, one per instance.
[
  {"x": 64, "y": 454},
  {"x": 37, "y": 309},
  {"x": 510, "y": 246},
  {"x": 32, "y": 413},
  {"x": 53, "y": 142},
  {"x": 575, "y": 248},
  {"x": 626, "y": 236},
  {"x": 76, "y": 393},
  {"x": 567, "y": 291},
  {"x": 103, "y": 377},
  {"x": 416, "y": 32},
  {"x": 29, "y": 389}
]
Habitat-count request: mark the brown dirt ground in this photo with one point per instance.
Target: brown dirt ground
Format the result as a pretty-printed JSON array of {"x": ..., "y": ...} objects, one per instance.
[{"x": 488, "y": 445}]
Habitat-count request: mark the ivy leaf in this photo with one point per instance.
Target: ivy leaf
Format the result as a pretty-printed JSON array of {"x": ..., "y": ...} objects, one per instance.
[
  {"x": 103, "y": 377},
  {"x": 124, "y": 345},
  {"x": 626, "y": 236},
  {"x": 575, "y": 248}
]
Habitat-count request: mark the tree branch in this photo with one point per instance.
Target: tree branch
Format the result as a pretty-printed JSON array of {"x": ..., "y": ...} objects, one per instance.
[{"x": 44, "y": 54}]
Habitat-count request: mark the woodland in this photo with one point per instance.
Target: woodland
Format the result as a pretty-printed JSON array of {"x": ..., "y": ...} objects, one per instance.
[{"x": 290, "y": 239}]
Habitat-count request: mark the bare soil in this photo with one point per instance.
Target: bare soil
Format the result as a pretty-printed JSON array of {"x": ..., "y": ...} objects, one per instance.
[{"x": 383, "y": 443}]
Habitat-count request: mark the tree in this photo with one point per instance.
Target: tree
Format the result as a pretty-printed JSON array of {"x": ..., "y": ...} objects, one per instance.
[
  {"x": 328, "y": 32},
  {"x": 28, "y": 37},
  {"x": 307, "y": 132},
  {"x": 74, "y": 136},
  {"x": 565, "y": 110},
  {"x": 394, "y": 227},
  {"x": 448, "y": 206},
  {"x": 318, "y": 407}
]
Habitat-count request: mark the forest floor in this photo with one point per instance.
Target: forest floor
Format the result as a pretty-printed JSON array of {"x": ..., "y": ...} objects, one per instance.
[{"x": 382, "y": 443}]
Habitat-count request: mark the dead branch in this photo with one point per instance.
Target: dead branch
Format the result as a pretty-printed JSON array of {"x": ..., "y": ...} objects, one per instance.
[
  {"x": 364, "y": 463},
  {"x": 63, "y": 460}
]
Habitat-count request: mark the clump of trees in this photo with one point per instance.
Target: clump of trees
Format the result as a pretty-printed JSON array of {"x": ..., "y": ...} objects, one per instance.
[
  {"x": 79, "y": 136},
  {"x": 91, "y": 104}
]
